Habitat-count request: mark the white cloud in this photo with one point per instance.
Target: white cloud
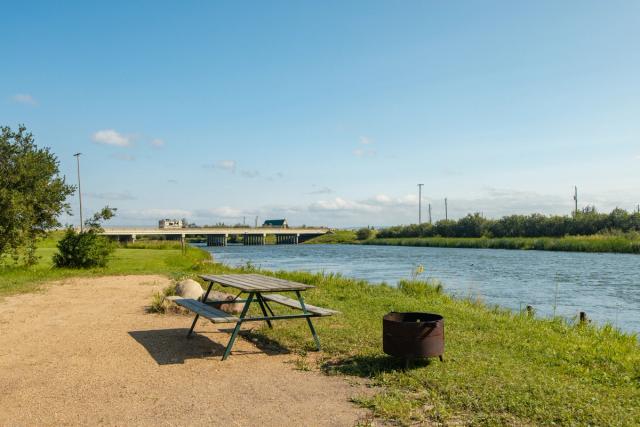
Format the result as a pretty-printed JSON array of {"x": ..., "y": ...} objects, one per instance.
[
  {"x": 219, "y": 212},
  {"x": 382, "y": 198},
  {"x": 25, "y": 99},
  {"x": 382, "y": 209},
  {"x": 340, "y": 204},
  {"x": 365, "y": 140},
  {"x": 111, "y": 137},
  {"x": 157, "y": 143},
  {"x": 154, "y": 214}
]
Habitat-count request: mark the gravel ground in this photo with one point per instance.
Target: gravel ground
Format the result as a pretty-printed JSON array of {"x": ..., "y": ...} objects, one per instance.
[{"x": 85, "y": 352}]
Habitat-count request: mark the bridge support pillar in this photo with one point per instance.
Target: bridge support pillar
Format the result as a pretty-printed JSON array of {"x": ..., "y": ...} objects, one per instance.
[
  {"x": 253, "y": 239},
  {"x": 287, "y": 239},
  {"x": 216, "y": 240},
  {"x": 127, "y": 238}
]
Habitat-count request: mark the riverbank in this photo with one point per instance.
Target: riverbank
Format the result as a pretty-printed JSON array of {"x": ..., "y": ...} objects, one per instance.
[
  {"x": 500, "y": 368},
  {"x": 595, "y": 243}
]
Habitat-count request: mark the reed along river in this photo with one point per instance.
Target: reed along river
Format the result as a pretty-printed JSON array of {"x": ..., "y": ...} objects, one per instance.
[{"x": 605, "y": 286}]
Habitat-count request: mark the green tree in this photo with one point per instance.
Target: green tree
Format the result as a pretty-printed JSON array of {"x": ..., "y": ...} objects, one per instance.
[{"x": 32, "y": 193}]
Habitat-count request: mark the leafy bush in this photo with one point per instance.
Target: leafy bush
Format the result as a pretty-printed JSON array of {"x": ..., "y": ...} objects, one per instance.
[
  {"x": 82, "y": 250},
  {"x": 363, "y": 233},
  {"x": 87, "y": 248}
]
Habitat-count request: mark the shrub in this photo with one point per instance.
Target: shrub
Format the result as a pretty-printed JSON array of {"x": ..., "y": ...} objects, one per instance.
[
  {"x": 363, "y": 233},
  {"x": 82, "y": 250},
  {"x": 86, "y": 249}
]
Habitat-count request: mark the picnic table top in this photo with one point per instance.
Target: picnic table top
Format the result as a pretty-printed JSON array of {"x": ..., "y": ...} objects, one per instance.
[{"x": 255, "y": 282}]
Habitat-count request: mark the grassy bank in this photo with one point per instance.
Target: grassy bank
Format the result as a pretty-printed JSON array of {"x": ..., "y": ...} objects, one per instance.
[
  {"x": 501, "y": 368},
  {"x": 597, "y": 243},
  {"x": 337, "y": 236},
  {"x": 139, "y": 258}
]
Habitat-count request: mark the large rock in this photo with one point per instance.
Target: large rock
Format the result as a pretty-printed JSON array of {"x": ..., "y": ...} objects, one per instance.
[
  {"x": 189, "y": 288},
  {"x": 231, "y": 307}
]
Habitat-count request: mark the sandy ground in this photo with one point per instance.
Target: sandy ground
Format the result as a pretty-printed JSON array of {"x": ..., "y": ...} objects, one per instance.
[{"x": 86, "y": 352}]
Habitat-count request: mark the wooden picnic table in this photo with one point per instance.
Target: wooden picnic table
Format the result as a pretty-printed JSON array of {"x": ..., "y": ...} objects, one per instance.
[{"x": 260, "y": 289}]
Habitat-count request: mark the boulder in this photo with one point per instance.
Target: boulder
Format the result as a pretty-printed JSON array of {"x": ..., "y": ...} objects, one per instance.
[
  {"x": 231, "y": 307},
  {"x": 189, "y": 288}
]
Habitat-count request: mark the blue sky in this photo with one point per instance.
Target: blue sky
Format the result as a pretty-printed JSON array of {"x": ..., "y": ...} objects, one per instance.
[{"x": 330, "y": 112}]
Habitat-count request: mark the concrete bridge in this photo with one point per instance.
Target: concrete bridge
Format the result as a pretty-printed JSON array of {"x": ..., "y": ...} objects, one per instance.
[{"x": 220, "y": 236}]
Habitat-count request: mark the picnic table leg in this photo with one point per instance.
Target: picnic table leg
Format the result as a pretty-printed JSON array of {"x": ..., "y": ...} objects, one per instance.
[
  {"x": 195, "y": 320},
  {"x": 266, "y": 304},
  {"x": 262, "y": 303},
  {"x": 313, "y": 330},
  {"x": 234, "y": 334}
]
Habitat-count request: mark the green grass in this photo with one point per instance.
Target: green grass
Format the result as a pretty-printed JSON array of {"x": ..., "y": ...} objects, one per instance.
[
  {"x": 596, "y": 243},
  {"x": 141, "y": 258},
  {"x": 337, "y": 236},
  {"x": 501, "y": 368}
]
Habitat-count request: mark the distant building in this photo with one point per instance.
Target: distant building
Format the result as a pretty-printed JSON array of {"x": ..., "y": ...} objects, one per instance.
[
  {"x": 170, "y": 223},
  {"x": 276, "y": 223}
]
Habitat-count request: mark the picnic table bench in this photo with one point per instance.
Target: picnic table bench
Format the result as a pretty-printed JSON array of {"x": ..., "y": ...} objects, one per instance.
[{"x": 260, "y": 289}]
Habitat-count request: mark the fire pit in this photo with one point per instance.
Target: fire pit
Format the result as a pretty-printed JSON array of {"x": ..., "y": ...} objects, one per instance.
[{"x": 413, "y": 335}]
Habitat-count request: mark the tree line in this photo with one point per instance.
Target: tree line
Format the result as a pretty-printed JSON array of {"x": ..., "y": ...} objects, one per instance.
[{"x": 584, "y": 223}]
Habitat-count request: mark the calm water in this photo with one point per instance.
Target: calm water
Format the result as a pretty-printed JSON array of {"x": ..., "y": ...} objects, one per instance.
[{"x": 606, "y": 286}]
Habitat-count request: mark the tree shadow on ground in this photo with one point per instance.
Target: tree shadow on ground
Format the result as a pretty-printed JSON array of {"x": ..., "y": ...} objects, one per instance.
[
  {"x": 171, "y": 346},
  {"x": 369, "y": 366}
]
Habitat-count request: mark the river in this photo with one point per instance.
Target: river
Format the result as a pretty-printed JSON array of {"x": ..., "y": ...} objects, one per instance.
[{"x": 605, "y": 286}]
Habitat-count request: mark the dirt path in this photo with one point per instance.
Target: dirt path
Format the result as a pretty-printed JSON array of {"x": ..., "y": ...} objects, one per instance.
[{"x": 85, "y": 352}]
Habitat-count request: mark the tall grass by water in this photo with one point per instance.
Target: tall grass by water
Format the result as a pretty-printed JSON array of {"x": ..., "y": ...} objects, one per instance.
[
  {"x": 500, "y": 368},
  {"x": 596, "y": 243}
]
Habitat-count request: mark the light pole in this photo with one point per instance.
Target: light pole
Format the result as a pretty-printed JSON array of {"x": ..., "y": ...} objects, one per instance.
[
  {"x": 420, "y": 203},
  {"x": 446, "y": 210},
  {"x": 77, "y": 156}
]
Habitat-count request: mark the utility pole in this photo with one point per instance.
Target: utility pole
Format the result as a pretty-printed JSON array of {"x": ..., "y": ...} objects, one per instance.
[
  {"x": 446, "y": 210},
  {"x": 244, "y": 220},
  {"x": 575, "y": 199},
  {"x": 77, "y": 156},
  {"x": 429, "y": 213},
  {"x": 256, "y": 221},
  {"x": 420, "y": 203}
]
